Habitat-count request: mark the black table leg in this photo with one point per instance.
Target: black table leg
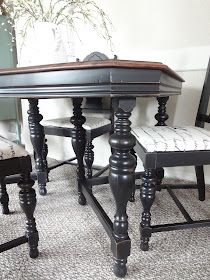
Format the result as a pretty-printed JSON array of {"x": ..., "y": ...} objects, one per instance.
[
  {"x": 122, "y": 180},
  {"x": 78, "y": 144},
  {"x": 38, "y": 141}
]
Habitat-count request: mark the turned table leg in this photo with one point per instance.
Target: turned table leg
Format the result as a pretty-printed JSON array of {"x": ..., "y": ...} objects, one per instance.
[
  {"x": 122, "y": 180},
  {"x": 38, "y": 141},
  {"x": 78, "y": 144}
]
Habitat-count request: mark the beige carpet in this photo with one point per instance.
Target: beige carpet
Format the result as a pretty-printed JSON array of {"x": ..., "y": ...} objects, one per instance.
[{"x": 74, "y": 245}]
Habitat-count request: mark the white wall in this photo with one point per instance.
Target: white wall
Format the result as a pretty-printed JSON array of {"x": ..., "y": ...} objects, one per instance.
[{"x": 173, "y": 32}]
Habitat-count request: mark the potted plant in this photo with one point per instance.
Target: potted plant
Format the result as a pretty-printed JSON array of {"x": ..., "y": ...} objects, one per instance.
[{"x": 46, "y": 20}]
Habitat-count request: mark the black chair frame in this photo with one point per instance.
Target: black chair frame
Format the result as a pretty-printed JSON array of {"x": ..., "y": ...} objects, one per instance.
[
  {"x": 27, "y": 197},
  {"x": 156, "y": 161}
]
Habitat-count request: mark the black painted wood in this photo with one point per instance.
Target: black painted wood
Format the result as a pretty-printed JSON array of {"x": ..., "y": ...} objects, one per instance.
[
  {"x": 78, "y": 144},
  {"x": 4, "y": 197},
  {"x": 27, "y": 197},
  {"x": 179, "y": 186},
  {"x": 122, "y": 180},
  {"x": 202, "y": 117},
  {"x": 97, "y": 208},
  {"x": 147, "y": 196},
  {"x": 155, "y": 161},
  {"x": 115, "y": 78},
  {"x": 111, "y": 78},
  {"x": 97, "y": 174},
  {"x": 162, "y": 116},
  {"x": 44, "y": 156},
  {"x": 15, "y": 178},
  {"x": 38, "y": 141},
  {"x": 160, "y": 176},
  {"x": 132, "y": 198},
  {"x": 179, "y": 226},
  {"x": 100, "y": 180},
  {"x": 200, "y": 182},
  {"x": 94, "y": 181},
  {"x": 170, "y": 159},
  {"x": 89, "y": 158},
  {"x": 180, "y": 206},
  {"x": 94, "y": 106},
  {"x": 13, "y": 243}
]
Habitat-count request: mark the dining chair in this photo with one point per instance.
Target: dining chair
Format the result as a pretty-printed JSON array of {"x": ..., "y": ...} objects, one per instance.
[
  {"x": 163, "y": 146},
  {"x": 98, "y": 122},
  {"x": 15, "y": 160}
]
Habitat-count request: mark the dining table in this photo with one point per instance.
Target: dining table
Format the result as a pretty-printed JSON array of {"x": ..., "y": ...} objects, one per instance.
[{"x": 121, "y": 80}]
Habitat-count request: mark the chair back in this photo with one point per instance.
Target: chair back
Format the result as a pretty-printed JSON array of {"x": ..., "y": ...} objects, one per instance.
[
  {"x": 95, "y": 104},
  {"x": 202, "y": 115},
  {"x": 101, "y": 106}
]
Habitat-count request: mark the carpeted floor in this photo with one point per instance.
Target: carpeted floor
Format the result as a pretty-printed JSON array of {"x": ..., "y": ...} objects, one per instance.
[{"x": 73, "y": 244}]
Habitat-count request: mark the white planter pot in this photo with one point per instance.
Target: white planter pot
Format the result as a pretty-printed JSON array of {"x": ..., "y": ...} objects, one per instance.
[{"x": 44, "y": 44}]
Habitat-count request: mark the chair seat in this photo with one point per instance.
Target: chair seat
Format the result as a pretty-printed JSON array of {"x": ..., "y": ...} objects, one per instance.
[
  {"x": 163, "y": 138},
  {"x": 91, "y": 123},
  {"x": 9, "y": 149}
]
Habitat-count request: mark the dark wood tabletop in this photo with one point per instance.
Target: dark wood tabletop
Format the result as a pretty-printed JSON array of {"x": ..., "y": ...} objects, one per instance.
[{"x": 90, "y": 78}]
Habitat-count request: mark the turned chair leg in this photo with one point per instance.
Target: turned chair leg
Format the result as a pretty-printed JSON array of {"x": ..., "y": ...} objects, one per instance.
[
  {"x": 89, "y": 158},
  {"x": 37, "y": 140},
  {"x": 147, "y": 196},
  {"x": 78, "y": 143},
  {"x": 4, "y": 197},
  {"x": 44, "y": 158},
  {"x": 44, "y": 155},
  {"x": 27, "y": 197},
  {"x": 132, "y": 198},
  {"x": 161, "y": 116},
  {"x": 200, "y": 182}
]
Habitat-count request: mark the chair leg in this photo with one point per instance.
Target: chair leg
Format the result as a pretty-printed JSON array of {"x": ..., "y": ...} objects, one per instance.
[
  {"x": 44, "y": 155},
  {"x": 160, "y": 176},
  {"x": 161, "y": 116},
  {"x": 147, "y": 196},
  {"x": 200, "y": 182},
  {"x": 78, "y": 143},
  {"x": 89, "y": 158},
  {"x": 132, "y": 198},
  {"x": 37, "y": 140},
  {"x": 27, "y": 197},
  {"x": 4, "y": 197}
]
